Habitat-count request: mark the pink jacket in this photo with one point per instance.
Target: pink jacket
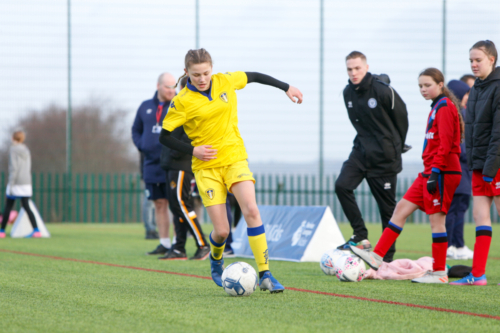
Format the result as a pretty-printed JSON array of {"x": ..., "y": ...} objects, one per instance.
[{"x": 401, "y": 269}]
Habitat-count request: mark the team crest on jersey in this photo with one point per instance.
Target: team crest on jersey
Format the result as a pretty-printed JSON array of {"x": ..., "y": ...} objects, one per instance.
[
  {"x": 372, "y": 103},
  {"x": 223, "y": 96},
  {"x": 172, "y": 105},
  {"x": 210, "y": 193},
  {"x": 172, "y": 184},
  {"x": 149, "y": 111}
]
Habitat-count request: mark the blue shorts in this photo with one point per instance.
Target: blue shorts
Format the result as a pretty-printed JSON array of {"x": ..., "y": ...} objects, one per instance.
[{"x": 155, "y": 191}]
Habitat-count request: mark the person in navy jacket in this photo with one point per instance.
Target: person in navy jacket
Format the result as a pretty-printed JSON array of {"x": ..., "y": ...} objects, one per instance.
[
  {"x": 145, "y": 134},
  {"x": 460, "y": 203}
]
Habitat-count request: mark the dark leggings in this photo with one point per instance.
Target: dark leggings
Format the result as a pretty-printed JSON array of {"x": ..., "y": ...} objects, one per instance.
[{"x": 25, "y": 202}]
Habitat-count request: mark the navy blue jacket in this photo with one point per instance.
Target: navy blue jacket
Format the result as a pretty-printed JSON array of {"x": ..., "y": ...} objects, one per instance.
[
  {"x": 148, "y": 142},
  {"x": 465, "y": 186}
]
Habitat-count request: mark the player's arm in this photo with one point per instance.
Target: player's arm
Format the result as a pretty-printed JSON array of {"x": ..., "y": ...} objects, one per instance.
[
  {"x": 491, "y": 165},
  {"x": 444, "y": 122},
  {"x": 204, "y": 153},
  {"x": 398, "y": 113},
  {"x": 292, "y": 92},
  {"x": 137, "y": 129}
]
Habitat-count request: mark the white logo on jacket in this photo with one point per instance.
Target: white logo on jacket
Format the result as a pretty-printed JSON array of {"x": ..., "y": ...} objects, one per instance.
[
  {"x": 372, "y": 103},
  {"x": 349, "y": 104},
  {"x": 149, "y": 111},
  {"x": 429, "y": 135}
]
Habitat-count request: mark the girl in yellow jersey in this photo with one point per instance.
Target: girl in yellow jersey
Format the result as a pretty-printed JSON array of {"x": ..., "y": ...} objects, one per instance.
[{"x": 207, "y": 108}]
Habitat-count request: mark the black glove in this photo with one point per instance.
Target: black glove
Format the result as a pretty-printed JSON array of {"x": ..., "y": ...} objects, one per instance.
[
  {"x": 432, "y": 183},
  {"x": 406, "y": 148}
]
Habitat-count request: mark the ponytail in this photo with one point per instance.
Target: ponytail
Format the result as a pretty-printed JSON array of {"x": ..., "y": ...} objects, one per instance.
[
  {"x": 455, "y": 101},
  {"x": 179, "y": 80}
]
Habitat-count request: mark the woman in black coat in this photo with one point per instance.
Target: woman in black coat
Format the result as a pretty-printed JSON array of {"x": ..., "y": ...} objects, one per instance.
[{"x": 482, "y": 140}]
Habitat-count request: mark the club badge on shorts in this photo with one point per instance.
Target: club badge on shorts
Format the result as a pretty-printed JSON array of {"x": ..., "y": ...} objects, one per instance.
[
  {"x": 223, "y": 97},
  {"x": 372, "y": 103},
  {"x": 210, "y": 193}
]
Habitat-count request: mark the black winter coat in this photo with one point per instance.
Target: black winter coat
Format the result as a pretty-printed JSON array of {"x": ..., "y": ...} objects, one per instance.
[
  {"x": 171, "y": 159},
  {"x": 482, "y": 125},
  {"x": 380, "y": 119}
]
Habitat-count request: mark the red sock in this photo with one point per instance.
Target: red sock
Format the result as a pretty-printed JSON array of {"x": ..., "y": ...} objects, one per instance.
[
  {"x": 389, "y": 236},
  {"x": 439, "y": 247},
  {"x": 481, "y": 249}
]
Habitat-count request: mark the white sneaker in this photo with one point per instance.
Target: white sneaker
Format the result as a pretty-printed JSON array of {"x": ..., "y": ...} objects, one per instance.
[
  {"x": 451, "y": 253},
  {"x": 432, "y": 277},
  {"x": 464, "y": 253},
  {"x": 371, "y": 258}
]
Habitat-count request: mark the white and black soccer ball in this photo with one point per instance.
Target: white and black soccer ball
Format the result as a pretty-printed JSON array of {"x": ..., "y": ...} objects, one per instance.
[
  {"x": 328, "y": 259},
  {"x": 239, "y": 279},
  {"x": 350, "y": 268}
]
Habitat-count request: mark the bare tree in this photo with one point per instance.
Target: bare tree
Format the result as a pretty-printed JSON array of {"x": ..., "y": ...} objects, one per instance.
[{"x": 100, "y": 140}]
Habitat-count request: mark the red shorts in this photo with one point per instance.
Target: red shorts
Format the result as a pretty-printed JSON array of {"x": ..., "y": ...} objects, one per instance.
[
  {"x": 482, "y": 188},
  {"x": 437, "y": 202}
]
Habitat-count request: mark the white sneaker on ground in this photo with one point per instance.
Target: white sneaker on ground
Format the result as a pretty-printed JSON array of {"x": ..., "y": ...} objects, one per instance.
[
  {"x": 464, "y": 253},
  {"x": 433, "y": 277},
  {"x": 371, "y": 258},
  {"x": 451, "y": 253}
]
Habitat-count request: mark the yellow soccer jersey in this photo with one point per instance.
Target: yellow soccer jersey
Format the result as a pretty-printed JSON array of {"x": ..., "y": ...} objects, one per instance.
[{"x": 210, "y": 118}]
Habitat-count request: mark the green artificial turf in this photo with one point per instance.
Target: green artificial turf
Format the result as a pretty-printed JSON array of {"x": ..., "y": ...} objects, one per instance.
[{"x": 40, "y": 294}]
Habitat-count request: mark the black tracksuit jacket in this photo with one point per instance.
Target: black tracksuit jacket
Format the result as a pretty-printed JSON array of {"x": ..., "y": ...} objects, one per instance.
[
  {"x": 380, "y": 118},
  {"x": 482, "y": 125}
]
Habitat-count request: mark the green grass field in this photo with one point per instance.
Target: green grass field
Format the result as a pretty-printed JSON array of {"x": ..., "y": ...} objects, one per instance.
[{"x": 41, "y": 294}]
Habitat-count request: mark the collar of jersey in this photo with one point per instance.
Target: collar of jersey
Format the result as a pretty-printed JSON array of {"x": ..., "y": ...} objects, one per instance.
[{"x": 207, "y": 94}]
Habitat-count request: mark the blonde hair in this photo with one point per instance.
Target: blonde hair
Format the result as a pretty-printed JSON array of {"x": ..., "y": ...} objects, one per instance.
[
  {"x": 194, "y": 57},
  {"x": 19, "y": 136}
]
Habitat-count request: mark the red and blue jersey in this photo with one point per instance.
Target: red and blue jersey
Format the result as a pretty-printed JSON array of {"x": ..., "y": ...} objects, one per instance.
[{"x": 442, "y": 137}]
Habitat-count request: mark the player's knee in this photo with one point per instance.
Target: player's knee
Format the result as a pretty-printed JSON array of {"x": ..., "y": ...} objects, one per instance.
[
  {"x": 224, "y": 233},
  {"x": 251, "y": 212},
  {"x": 340, "y": 188}
]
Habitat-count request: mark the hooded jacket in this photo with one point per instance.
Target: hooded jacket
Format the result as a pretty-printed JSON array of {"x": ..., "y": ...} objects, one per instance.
[
  {"x": 148, "y": 142},
  {"x": 482, "y": 125},
  {"x": 380, "y": 119}
]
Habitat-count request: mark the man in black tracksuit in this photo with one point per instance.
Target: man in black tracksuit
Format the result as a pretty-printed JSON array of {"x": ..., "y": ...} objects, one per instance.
[
  {"x": 381, "y": 121},
  {"x": 179, "y": 177}
]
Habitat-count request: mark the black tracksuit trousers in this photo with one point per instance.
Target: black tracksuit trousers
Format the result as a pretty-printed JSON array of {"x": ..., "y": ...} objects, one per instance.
[
  {"x": 382, "y": 188},
  {"x": 182, "y": 207}
]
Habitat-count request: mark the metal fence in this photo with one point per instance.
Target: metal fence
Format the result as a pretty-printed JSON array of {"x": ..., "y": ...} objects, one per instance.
[{"x": 99, "y": 198}]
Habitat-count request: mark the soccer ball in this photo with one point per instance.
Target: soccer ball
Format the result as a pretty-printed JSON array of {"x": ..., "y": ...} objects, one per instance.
[
  {"x": 328, "y": 259},
  {"x": 239, "y": 279},
  {"x": 350, "y": 268}
]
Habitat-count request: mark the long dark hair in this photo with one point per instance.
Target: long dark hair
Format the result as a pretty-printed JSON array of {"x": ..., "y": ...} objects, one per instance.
[{"x": 438, "y": 77}]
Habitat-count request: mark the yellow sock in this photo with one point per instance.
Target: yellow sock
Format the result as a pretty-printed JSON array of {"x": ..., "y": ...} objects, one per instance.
[
  {"x": 258, "y": 243},
  {"x": 217, "y": 249}
]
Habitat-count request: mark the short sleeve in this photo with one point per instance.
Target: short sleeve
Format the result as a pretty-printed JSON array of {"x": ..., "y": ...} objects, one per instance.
[
  {"x": 238, "y": 79},
  {"x": 176, "y": 116}
]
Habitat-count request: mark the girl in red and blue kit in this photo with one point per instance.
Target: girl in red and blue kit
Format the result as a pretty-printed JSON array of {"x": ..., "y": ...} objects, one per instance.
[{"x": 433, "y": 190}]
